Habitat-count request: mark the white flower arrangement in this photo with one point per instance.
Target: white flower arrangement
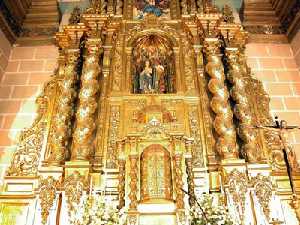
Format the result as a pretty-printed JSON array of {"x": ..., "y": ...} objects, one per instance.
[
  {"x": 210, "y": 212},
  {"x": 96, "y": 210}
]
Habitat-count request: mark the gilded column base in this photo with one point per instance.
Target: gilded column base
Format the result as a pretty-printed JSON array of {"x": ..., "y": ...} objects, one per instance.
[
  {"x": 282, "y": 183},
  {"x": 201, "y": 178},
  {"x": 259, "y": 168},
  {"x": 133, "y": 217},
  {"x": 233, "y": 163},
  {"x": 296, "y": 182},
  {"x": 20, "y": 185},
  {"x": 52, "y": 171},
  {"x": 110, "y": 179},
  {"x": 83, "y": 167},
  {"x": 214, "y": 181}
]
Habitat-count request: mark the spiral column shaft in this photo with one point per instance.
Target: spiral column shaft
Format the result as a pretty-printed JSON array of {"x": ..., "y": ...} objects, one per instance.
[
  {"x": 223, "y": 122},
  {"x": 83, "y": 136},
  {"x": 241, "y": 108},
  {"x": 61, "y": 124}
]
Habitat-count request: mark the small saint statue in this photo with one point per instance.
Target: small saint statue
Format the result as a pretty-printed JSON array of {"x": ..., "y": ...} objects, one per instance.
[
  {"x": 146, "y": 78},
  {"x": 158, "y": 80}
]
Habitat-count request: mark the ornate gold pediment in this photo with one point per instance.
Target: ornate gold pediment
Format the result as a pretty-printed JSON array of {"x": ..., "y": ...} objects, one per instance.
[{"x": 153, "y": 25}]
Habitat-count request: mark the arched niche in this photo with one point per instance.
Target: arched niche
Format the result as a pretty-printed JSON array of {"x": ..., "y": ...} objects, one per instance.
[
  {"x": 152, "y": 65},
  {"x": 156, "y": 174}
]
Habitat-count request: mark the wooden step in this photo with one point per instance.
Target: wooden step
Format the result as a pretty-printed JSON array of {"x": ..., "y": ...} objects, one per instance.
[
  {"x": 39, "y": 9},
  {"x": 260, "y": 23},
  {"x": 34, "y": 41},
  {"x": 43, "y": 3},
  {"x": 258, "y": 13},
  {"x": 42, "y": 15},
  {"x": 41, "y": 25},
  {"x": 41, "y": 19}
]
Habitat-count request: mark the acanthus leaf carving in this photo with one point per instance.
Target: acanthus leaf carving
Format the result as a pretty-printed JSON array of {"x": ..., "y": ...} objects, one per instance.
[
  {"x": 197, "y": 150},
  {"x": 47, "y": 196},
  {"x": 27, "y": 156},
  {"x": 117, "y": 66},
  {"x": 237, "y": 188},
  {"x": 263, "y": 190},
  {"x": 113, "y": 136},
  {"x": 74, "y": 186}
]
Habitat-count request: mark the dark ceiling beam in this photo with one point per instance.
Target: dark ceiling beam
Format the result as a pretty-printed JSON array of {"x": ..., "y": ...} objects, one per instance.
[
  {"x": 12, "y": 15},
  {"x": 271, "y": 18}
]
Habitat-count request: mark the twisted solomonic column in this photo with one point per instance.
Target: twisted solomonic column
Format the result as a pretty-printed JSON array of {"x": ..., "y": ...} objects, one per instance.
[
  {"x": 60, "y": 134},
  {"x": 133, "y": 159},
  {"x": 223, "y": 124},
  {"x": 241, "y": 108},
  {"x": 178, "y": 180},
  {"x": 83, "y": 136},
  {"x": 190, "y": 172}
]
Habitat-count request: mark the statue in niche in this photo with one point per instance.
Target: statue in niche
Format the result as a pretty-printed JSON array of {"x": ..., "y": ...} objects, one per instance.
[{"x": 153, "y": 66}]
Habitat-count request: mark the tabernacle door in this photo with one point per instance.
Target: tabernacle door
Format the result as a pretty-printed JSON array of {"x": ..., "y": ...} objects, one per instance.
[{"x": 156, "y": 178}]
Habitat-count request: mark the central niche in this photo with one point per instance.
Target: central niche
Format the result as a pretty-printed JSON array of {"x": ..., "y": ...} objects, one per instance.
[
  {"x": 153, "y": 66},
  {"x": 156, "y": 178}
]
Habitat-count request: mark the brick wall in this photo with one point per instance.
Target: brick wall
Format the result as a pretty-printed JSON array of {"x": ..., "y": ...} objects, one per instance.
[
  {"x": 275, "y": 65},
  {"x": 27, "y": 70},
  {"x": 5, "y": 49}
]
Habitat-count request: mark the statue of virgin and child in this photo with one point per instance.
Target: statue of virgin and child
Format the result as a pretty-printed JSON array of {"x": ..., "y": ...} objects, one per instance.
[{"x": 151, "y": 79}]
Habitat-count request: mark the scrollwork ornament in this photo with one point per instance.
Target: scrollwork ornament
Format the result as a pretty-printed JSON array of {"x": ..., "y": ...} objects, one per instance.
[
  {"x": 189, "y": 67},
  {"x": 119, "y": 7},
  {"x": 117, "y": 66},
  {"x": 26, "y": 158},
  {"x": 74, "y": 186},
  {"x": 190, "y": 180},
  {"x": 184, "y": 7},
  {"x": 178, "y": 181},
  {"x": 237, "y": 188},
  {"x": 263, "y": 190},
  {"x": 133, "y": 182},
  {"x": 271, "y": 138},
  {"x": 97, "y": 7},
  {"x": 47, "y": 188},
  {"x": 228, "y": 14},
  {"x": 113, "y": 136},
  {"x": 75, "y": 16},
  {"x": 195, "y": 133},
  {"x": 121, "y": 185}
]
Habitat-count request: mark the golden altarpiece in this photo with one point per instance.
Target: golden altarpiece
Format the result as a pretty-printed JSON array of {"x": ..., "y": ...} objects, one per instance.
[{"x": 150, "y": 99}]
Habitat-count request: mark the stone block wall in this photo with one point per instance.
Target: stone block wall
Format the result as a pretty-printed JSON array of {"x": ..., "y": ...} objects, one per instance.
[
  {"x": 27, "y": 70},
  {"x": 275, "y": 65}
]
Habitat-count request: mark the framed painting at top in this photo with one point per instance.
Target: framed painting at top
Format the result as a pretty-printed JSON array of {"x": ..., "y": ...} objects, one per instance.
[{"x": 159, "y": 8}]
